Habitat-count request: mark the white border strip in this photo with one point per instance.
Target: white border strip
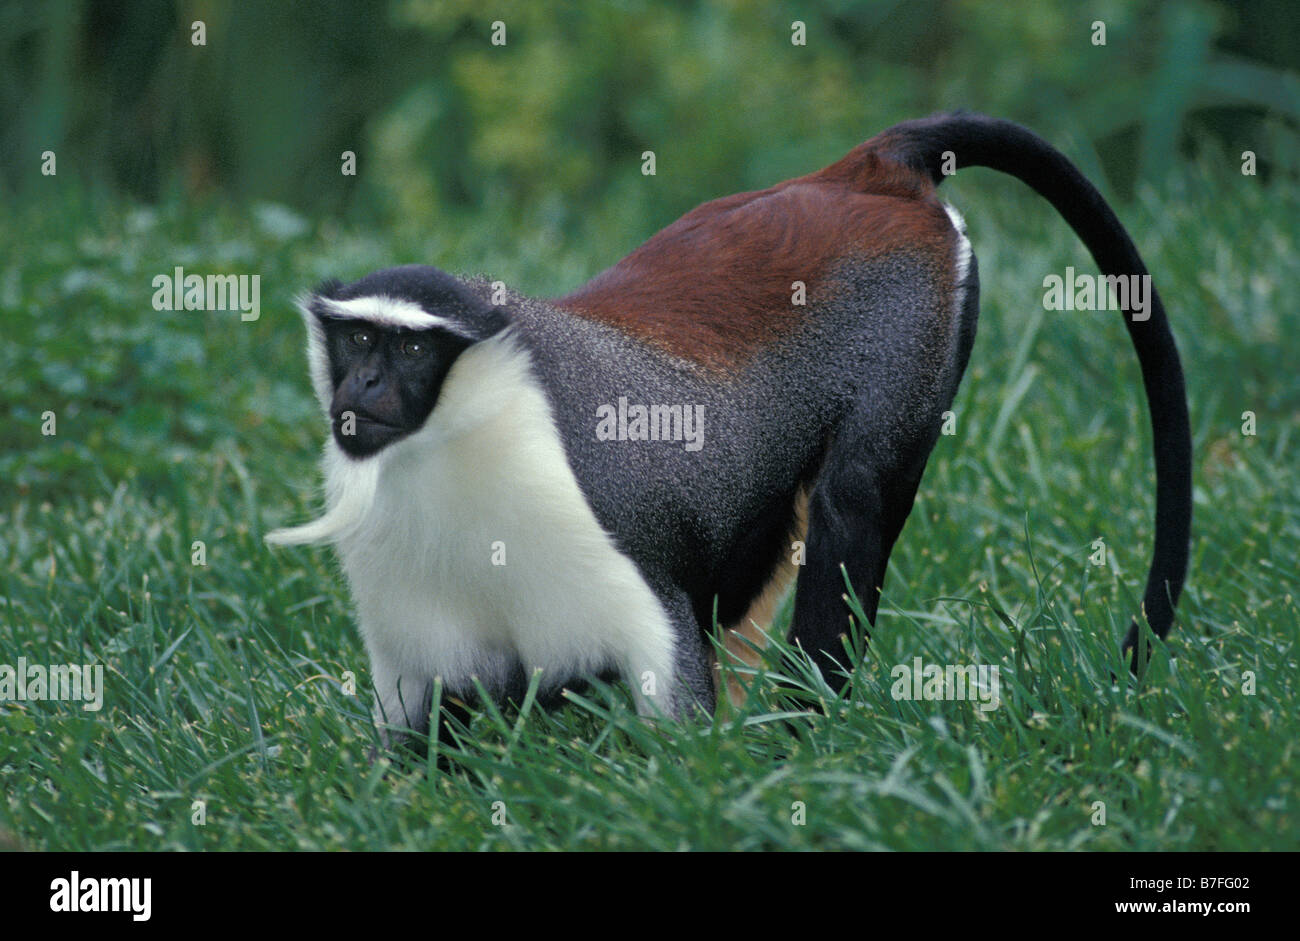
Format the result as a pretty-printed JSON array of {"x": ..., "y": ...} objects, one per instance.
[{"x": 963, "y": 244}]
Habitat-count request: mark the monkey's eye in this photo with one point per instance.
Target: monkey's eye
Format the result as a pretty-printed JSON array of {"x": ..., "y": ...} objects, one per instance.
[
  {"x": 361, "y": 338},
  {"x": 414, "y": 347}
]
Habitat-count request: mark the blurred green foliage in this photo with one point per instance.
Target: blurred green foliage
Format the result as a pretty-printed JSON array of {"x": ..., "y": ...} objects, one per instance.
[{"x": 553, "y": 123}]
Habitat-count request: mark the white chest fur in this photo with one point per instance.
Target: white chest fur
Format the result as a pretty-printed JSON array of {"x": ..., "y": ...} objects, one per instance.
[{"x": 470, "y": 548}]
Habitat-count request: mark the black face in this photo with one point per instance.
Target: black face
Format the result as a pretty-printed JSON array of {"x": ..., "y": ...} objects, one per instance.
[{"x": 386, "y": 380}]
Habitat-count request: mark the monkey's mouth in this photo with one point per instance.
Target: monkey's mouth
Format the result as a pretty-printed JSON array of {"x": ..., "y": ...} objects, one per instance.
[
  {"x": 363, "y": 435},
  {"x": 360, "y": 418}
]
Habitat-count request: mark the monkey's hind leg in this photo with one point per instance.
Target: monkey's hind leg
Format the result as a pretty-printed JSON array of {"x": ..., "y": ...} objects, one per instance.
[{"x": 857, "y": 508}]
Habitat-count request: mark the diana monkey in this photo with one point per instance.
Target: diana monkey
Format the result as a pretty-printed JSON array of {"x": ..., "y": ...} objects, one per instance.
[{"x": 489, "y": 527}]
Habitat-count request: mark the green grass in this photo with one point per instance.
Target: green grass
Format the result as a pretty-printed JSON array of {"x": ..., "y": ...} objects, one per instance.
[{"x": 225, "y": 681}]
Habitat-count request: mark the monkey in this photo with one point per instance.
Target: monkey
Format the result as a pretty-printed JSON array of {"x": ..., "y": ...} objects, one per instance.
[{"x": 641, "y": 452}]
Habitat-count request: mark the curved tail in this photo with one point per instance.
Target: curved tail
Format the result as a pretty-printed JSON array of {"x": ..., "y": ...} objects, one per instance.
[{"x": 979, "y": 141}]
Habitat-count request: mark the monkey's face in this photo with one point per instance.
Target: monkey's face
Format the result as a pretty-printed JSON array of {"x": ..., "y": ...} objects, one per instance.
[
  {"x": 381, "y": 347},
  {"x": 385, "y": 380}
]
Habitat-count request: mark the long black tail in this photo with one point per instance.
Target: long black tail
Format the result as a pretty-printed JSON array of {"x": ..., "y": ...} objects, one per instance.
[{"x": 979, "y": 141}]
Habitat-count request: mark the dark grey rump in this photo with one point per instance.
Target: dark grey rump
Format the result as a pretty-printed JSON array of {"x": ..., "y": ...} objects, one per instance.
[{"x": 868, "y": 481}]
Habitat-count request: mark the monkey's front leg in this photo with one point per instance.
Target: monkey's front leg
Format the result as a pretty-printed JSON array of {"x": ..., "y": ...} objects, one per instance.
[{"x": 403, "y": 702}]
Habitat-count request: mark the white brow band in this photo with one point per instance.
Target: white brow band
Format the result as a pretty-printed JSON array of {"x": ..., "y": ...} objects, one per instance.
[{"x": 389, "y": 312}]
